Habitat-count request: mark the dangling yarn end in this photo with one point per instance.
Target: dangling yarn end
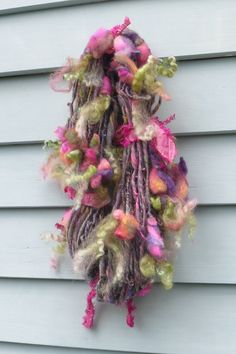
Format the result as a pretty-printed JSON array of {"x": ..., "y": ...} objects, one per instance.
[
  {"x": 90, "y": 310},
  {"x": 130, "y": 316}
]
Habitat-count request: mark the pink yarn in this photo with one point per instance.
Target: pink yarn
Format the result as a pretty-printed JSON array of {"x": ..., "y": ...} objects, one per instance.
[
  {"x": 145, "y": 291},
  {"x": 106, "y": 86},
  {"x": 130, "y": 317},
  {"x": 118, "y": 29},
  {"x": 70, "y": 192},
  {"x": 125, "y": 135},
  {"x": 90, "y": 309}
]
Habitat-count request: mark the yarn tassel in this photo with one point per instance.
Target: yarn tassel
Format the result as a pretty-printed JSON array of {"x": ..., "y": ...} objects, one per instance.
[
  {"x": 90, "y": 309},
  {"x": 130, "y": 316}
]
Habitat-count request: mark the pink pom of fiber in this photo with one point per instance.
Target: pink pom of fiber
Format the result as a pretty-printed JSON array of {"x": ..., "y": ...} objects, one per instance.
[
  {"x": 118, "y": 214},
  {"x": 100, "y": 43},
  {"x": 90, "y": 158},
  {"x": 104, "y": 164},
  {"x": 59, "y": 132},
  {"x": 91, "y": 154},
  {"x": 144, "y": 52},
  {"x": 65, "y": 147},
  {"x": 123, "y": 45},
  {"x": 70, "y": 192},
  {"x": 96, "y": 181}
]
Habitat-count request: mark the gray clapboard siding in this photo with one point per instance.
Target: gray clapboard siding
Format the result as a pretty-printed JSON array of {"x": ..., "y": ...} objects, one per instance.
[
  {"x": 187, "y": 320},
  {"x": 188, "y": 29},
  {"x": 209, "y": 258},
  {"x": 13, "y": 348},
  {"x": 211, "y": 173},
  {"x": 15, "y": 6},
  {"x": 202, "y": 91}
]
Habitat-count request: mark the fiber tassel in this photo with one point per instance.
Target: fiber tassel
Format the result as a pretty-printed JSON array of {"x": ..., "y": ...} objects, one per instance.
[
  {"x": 130, "y": 316},
  {"x": 90, "y": 309}
]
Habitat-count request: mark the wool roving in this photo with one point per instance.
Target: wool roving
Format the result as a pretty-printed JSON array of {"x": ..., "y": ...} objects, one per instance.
[{"x": 115, "y": 158}]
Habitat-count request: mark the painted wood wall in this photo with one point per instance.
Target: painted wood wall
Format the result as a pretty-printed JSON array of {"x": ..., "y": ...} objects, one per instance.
[{"x": 41, "y": 310}]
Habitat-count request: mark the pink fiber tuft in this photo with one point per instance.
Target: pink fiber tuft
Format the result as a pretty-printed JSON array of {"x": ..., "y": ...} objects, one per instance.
[
  {"x": 145, "y": 291},
  {"x": 130, "y": 317},
  {"x": 125, "y": 135},
  {"x": 65, "y": 147},
  {"x": 70, "y": 192},
  {"x": 54, "y": 262},
  {"x": 144, "y": 52},
  {"x": 57, "y": 77},
  {"x": 60, "y": 133}
]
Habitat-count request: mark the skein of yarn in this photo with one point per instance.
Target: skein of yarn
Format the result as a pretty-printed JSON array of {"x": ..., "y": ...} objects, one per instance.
[{"x": 115, "y": 159}]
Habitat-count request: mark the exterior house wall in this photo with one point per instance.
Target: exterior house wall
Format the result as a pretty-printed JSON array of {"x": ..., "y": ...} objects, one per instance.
[{"x": 41, "y": 310}]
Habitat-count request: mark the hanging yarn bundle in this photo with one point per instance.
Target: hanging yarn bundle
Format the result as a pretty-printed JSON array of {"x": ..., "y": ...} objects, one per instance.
[{"x": 115, "y": 159}]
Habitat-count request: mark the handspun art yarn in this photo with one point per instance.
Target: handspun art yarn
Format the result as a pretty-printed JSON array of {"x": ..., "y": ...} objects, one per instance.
[{"x": 116, "y": 160}]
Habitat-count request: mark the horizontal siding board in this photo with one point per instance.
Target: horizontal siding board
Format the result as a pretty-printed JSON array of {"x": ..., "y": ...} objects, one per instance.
[
  {"x": 209, "y": 258},
  {"x": 17, "y": 348},
  {"x": 197, "y": 318},
  {"x": 15, "y": 6},
  {"x": 195, "y": 29},
  {"x": 211, "y": 173},
  {"x": 203, "y": 100}
]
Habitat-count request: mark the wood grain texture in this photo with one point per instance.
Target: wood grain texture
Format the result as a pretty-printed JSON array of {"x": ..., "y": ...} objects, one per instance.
[
  {"x": 202, "y": 91},
  {"x": 43, "y": 39},
  {"x": 16, "y": 348},
  {"x": 211, "y": 173},
  {"x": 197, "y": 319},
  {"x": 209, "y": 258},
  {"x": 15, "y": 6}
]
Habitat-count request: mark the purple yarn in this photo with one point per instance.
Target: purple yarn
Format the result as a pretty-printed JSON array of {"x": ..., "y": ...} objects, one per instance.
[
  {"x": 168, "y": 180},
  {"x": 155, "y": 159},
  {"x": 182, "y": 166}
]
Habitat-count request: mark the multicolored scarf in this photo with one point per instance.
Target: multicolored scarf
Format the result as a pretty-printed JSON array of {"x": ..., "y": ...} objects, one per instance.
[{"x": 115, "y": 158}]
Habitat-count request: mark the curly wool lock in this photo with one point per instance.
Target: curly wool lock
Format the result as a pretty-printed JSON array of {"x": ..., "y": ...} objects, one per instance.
[{"x": 116, "y": 160}]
